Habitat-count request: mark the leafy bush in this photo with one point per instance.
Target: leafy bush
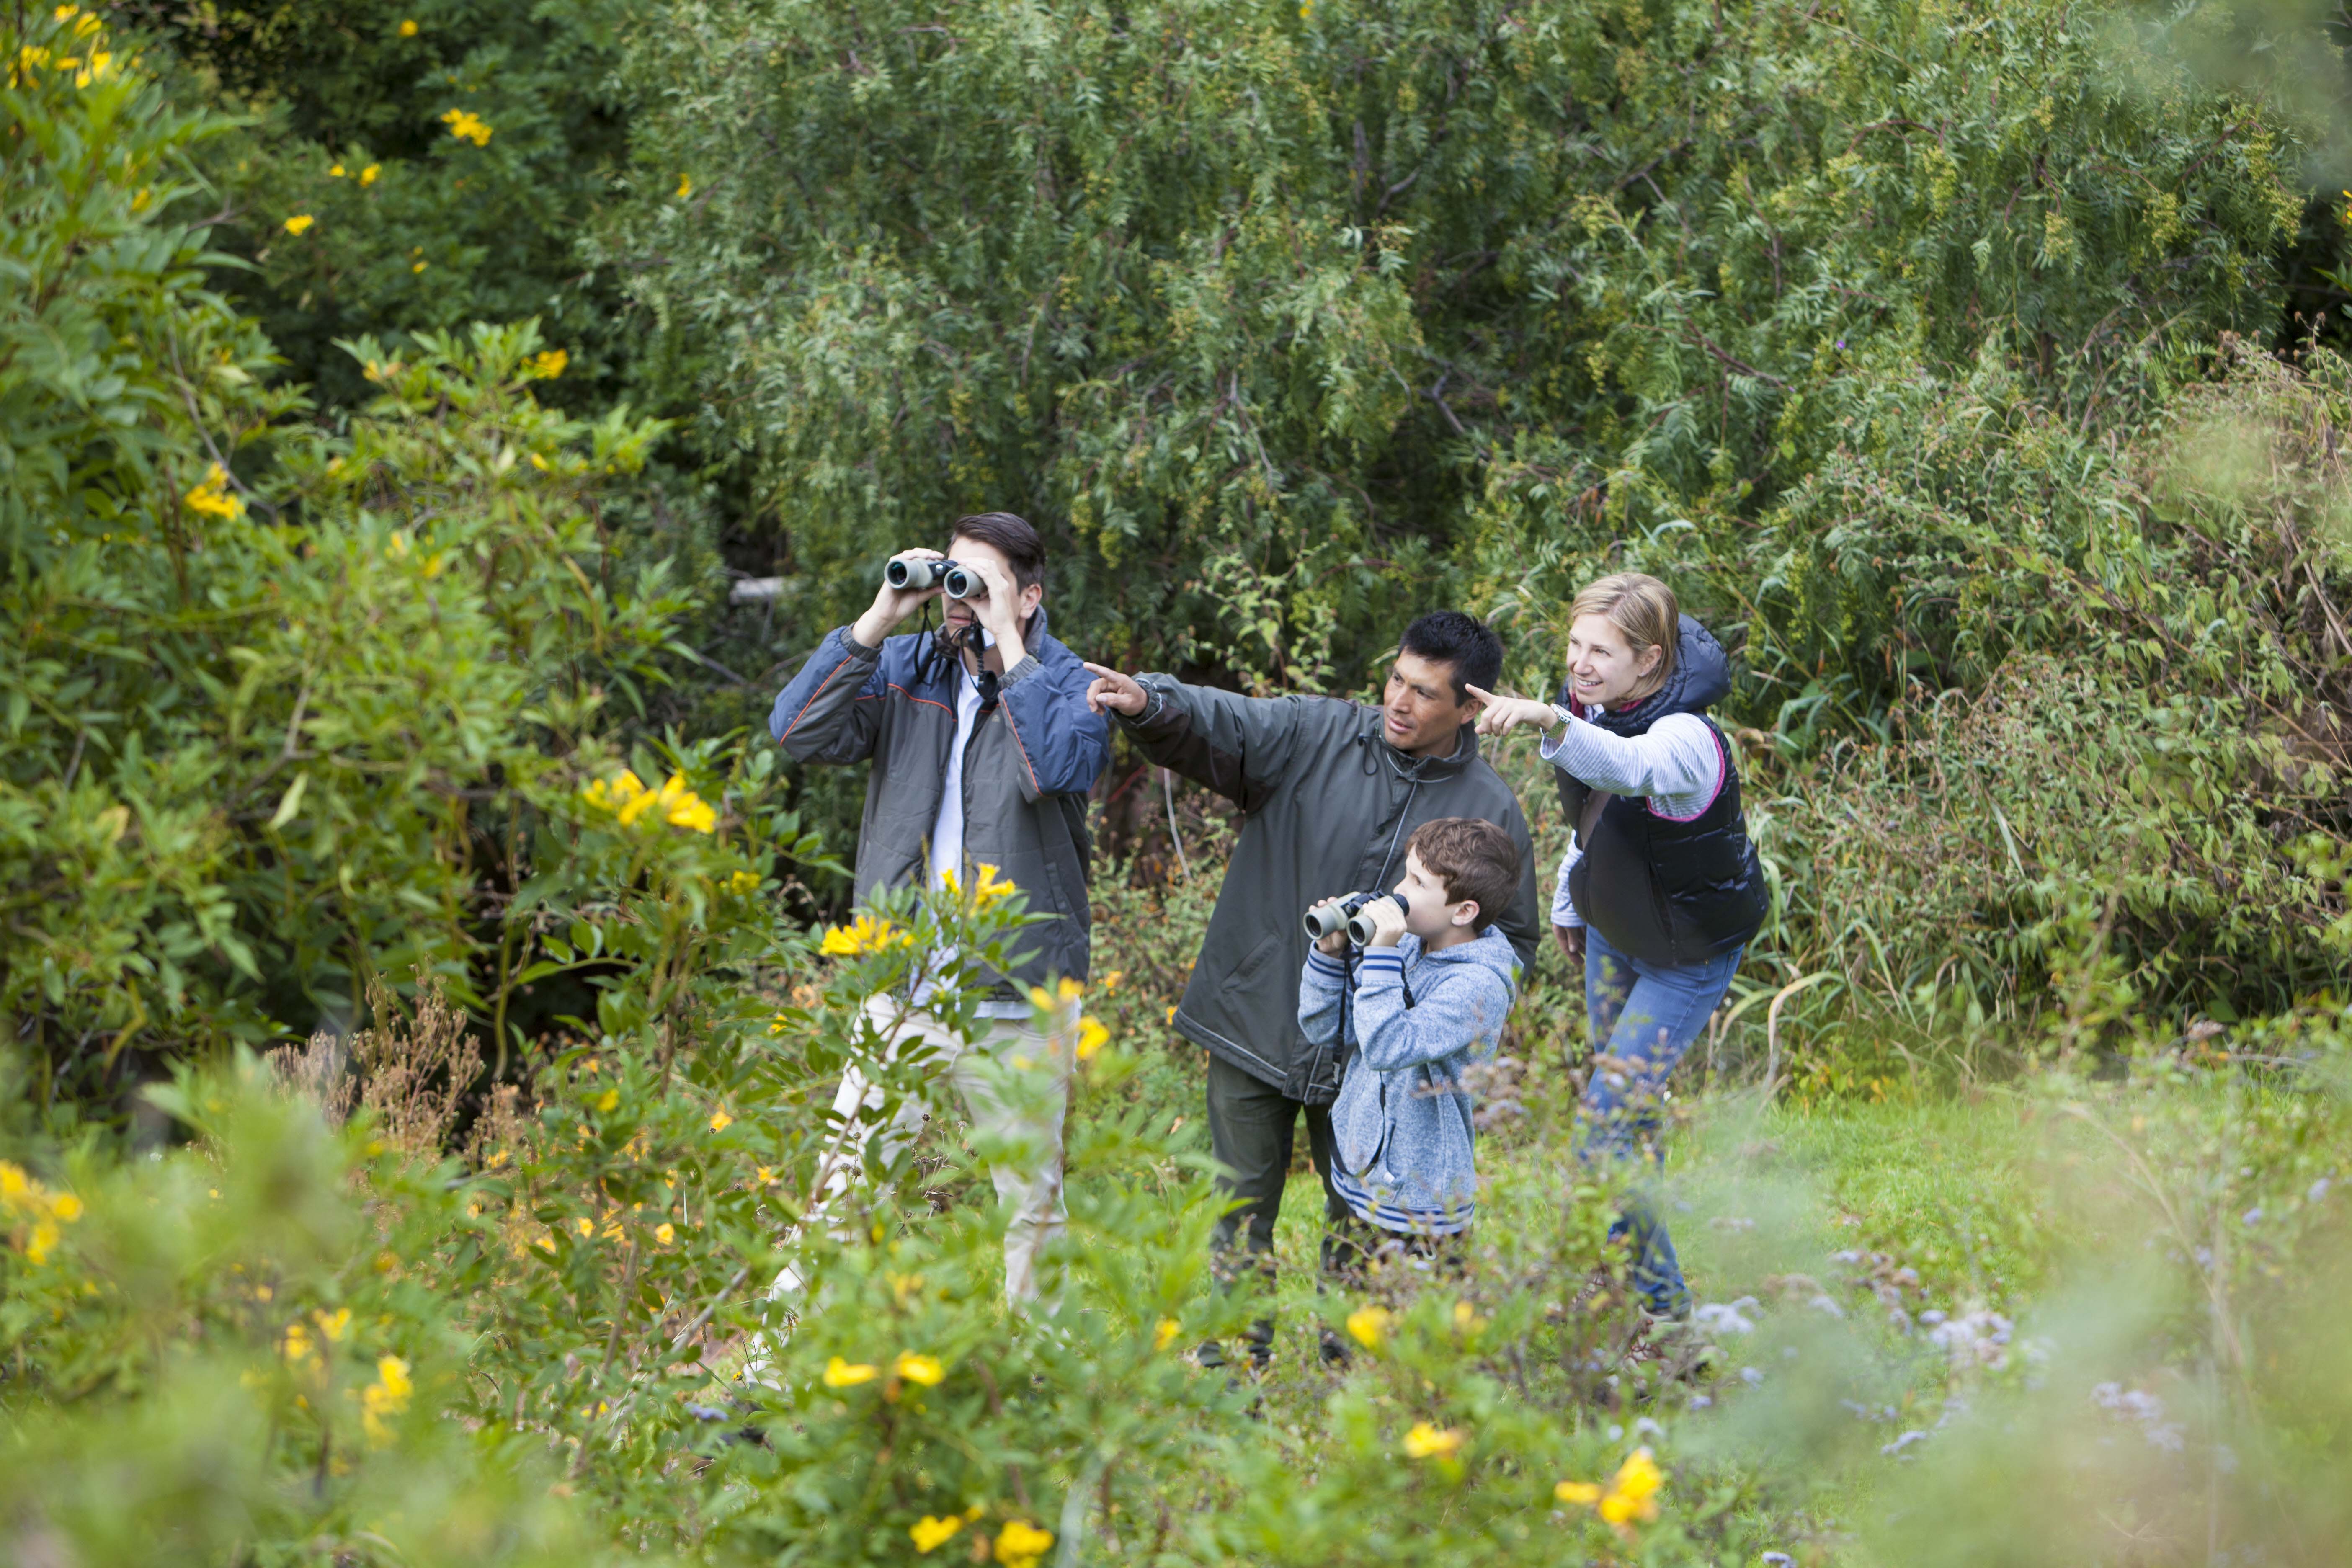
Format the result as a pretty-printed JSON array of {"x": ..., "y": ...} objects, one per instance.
[{"x": 445, "y": 155}]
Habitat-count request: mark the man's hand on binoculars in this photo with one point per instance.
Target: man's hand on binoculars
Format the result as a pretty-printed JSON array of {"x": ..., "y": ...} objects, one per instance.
[
  {"x": 998, "y": 609},
  {"x": 1115, "y": 693},
  {"x": 892, "y": 606}
]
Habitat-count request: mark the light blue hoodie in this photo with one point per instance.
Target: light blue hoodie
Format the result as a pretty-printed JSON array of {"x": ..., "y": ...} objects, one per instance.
[{"x": 1402, "y": 1124}]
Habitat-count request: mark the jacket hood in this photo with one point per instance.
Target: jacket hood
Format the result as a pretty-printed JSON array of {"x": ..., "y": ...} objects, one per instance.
[
  {"x": 1490, "y": 949},
  {"x": 1702, "y": 679}
]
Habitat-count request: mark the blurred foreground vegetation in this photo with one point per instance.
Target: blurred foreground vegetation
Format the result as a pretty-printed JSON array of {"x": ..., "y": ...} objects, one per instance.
[{"x": 413, "y": 1020}]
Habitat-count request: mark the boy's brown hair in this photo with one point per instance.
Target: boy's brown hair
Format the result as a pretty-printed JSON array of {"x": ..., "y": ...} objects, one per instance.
[{"x": 1473, "y": 859}]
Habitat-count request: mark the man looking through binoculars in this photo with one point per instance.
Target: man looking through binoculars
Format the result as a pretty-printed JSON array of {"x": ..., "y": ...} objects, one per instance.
[{"x": 984, "y": 749}]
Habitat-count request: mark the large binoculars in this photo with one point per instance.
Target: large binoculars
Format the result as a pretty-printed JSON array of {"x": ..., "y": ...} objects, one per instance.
[
  {"x": 956, "y": 581},
  {"x": 1346, "y": 914}
]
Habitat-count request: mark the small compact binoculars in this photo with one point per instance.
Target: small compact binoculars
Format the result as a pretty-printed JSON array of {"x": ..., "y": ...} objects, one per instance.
[
  {"x": 956, "y": 581},
  {"x": 1346, "y": 914}
]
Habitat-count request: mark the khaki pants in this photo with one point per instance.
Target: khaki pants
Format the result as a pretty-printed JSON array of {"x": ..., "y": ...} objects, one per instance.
[{"x": 1014, "y": 1082}]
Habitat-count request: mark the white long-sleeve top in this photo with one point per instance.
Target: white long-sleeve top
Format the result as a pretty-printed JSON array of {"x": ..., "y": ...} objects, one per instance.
[{"x": 1676, "y": 764}]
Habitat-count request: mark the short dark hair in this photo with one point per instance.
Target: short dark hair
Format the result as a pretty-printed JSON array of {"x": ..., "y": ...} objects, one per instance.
[
  {"x": 1474, "y": 859},
  {"x": 1023, "y": 551},
  {"x": 1465, "y": 642}
]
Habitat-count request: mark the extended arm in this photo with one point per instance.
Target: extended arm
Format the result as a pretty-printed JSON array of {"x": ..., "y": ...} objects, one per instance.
[
  {"x": 1676, "y": 763},
  {"x": 1461, "y": 1007},
  {"x": 1241, "y": 747},
  {"x": 819, "y": 717}
]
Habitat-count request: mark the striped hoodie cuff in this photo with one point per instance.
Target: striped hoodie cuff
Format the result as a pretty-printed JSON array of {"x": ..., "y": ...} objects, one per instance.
[{"x": 1322, "y": 964}]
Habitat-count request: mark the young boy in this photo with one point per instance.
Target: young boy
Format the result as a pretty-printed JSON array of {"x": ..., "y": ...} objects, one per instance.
[{"x": 1432, "y": 989}]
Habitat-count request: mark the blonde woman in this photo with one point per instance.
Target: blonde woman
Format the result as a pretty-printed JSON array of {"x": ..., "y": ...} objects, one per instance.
[{"x": 1660, "y": 891}]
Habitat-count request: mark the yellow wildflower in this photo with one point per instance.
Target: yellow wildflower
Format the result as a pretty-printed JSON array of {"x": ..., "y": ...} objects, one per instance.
[
  {"x": 39, "y": 1245},
  {"x": 14, "y": 1186},
  {"x": 744, "y": 883},
  {"x": 299, "y": 223},
  {"x": 211, "y": 495},
  {"x": 65, "y": 12},
  {"x": 65, "y": 1207},
  {"x": 624, "y": 789},
  {"x": 1171, "y": 1013},
  {"x": 407, "y": 28},
  {"x": 681, "y": 807},
  {"x": 335, "y": 1324},
  {"x": 368, "y": 174},
  {"x": 1111, "y": 982},
  {"x": 992, "y": 889},
  {"x": 840, "y": 1373},
  {"x": 546, "y": 366},
  {"x": 866, "y": 933},
  {"x": 765, "y": 1174},
  {"x": 416, "y": 266},
  {"x": 584, "y": 1225},
  {"x": 1091, "y": 1035},
  {"x": 929, "y": 1532},
  {"x": 665, "y": 1233},
  {"x": 685, "y": 187},
  {"x": 608, "y": 1099},
  {"x": 1020, "y": 1544},
  {"x": 1633, "y": 1493},
  {"x": 334, "y": 171},
  {"x": 387, "y": 1395},
  {"x": 923, "y": 1369},
  {"x": 1426, "y": 1442},
  {"x": 466, "y": 125},
  {"x": 1165, "y": 1335},
  {"x": 1367, "y": 1326},
  {"x": 1629, "y": 1495},
  {"x": 720, "y": 1120}
]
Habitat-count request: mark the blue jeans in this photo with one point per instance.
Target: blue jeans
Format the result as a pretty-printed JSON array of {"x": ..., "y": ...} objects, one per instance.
[{"x": 1643, "y": 1017}]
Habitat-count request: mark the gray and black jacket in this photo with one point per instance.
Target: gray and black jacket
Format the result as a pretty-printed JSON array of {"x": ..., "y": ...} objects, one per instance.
[
  {"x": 1026, "y": 770},
  {"x": 1327, "y": 806}
]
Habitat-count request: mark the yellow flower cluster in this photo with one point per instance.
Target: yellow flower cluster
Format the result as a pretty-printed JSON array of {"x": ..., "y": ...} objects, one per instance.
[
  {"x": 866, "y": 933},
  {"x": 211, "y": 495},
  {"x": 408, "y": 27},
  {"x": 387, "y": 1395},
  {"x": 465, "y": 125},
  {"x": 627, "y": 798},
  {"x": 1631, "y": 1495},
  {"x": 96, "y": 65},
  {"x": 1367, "y": 1326},
  {"x": 1020, "y": 1544},
  {"x": 545, "y": 366},
  {"x": 991, "y": 890},
  {"x": 299, "y": 223},
  {"x": 1165, "y": 1334},
  {"x": 40, "y": 1210},
  {"x": 910, "y": 1367},
  {"x": 1428, "y": 1442}
]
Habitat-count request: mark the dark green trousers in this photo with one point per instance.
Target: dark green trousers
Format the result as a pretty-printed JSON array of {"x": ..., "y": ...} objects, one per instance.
[{"x": 1251, "y": 1126}]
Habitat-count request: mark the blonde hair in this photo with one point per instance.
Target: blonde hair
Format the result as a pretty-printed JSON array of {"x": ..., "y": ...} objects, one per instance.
[{"x": 1642, "y": 609}]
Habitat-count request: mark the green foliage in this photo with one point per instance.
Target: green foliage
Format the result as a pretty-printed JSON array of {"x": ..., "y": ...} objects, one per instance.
[
  {"x": 419, "y": 220},
  {"x": 1275, "y": 313}
]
